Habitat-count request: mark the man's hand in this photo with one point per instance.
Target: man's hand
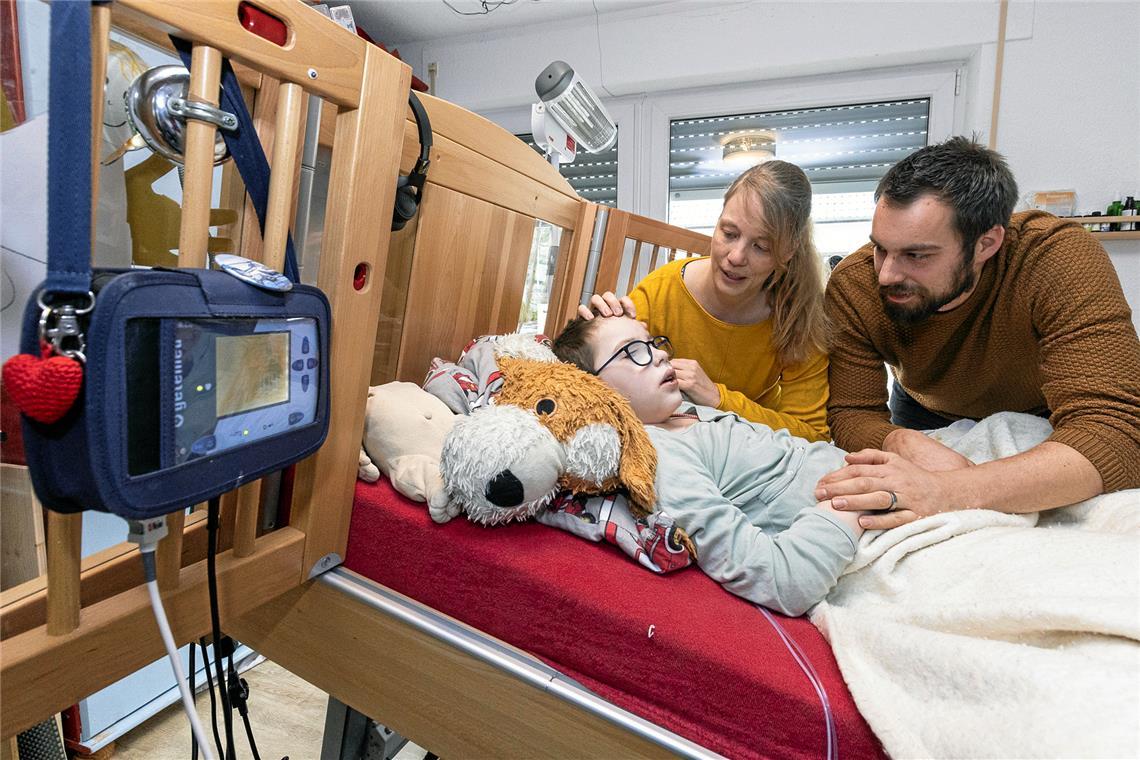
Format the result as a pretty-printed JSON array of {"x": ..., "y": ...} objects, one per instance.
[
  {"x": 868, "y": 481},
  {"x": 608, "y": 305},
  {"x": 695, "y": 383},
  {"x": 924, "y": 451}
]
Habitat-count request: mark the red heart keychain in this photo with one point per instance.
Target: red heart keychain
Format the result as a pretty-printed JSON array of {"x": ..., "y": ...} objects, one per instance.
[{"x": 43, "y": 388}]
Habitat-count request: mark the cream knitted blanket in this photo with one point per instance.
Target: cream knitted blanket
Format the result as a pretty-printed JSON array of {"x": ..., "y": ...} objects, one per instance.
[{"x": 980, "y": 634}]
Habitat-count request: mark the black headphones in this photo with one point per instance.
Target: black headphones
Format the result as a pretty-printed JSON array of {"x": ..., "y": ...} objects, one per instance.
[{"x": 410, "y": 189}]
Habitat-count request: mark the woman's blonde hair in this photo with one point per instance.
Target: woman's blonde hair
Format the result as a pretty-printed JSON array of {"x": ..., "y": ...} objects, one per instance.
[{"x": 795, "y": 287}]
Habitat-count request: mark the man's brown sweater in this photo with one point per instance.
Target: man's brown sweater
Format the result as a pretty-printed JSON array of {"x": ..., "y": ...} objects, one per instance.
[{"x": 1047, "y": 328}]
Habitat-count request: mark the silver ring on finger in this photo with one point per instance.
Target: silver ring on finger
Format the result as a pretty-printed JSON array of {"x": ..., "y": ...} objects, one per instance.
[{"x": 894, "y": 501}]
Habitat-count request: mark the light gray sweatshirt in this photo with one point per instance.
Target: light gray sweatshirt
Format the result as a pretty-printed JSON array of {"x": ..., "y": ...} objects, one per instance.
[{"x": 743, "y": 493}]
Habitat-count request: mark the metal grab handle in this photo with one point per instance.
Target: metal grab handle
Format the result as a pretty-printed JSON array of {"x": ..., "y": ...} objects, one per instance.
[{"x": 192, "y": 109}]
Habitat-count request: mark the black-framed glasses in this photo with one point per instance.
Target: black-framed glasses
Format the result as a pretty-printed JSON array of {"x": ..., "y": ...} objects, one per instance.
[{"x": 640, "y": 352}]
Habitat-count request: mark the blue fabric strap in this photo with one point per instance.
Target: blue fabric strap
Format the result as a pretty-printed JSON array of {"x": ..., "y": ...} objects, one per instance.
[
  {"x": 245, "y": 147},
  {"x": 69, "y": 150}
]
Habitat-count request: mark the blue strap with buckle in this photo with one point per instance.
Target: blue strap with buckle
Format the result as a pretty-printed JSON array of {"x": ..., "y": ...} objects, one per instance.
[{"x": 69, "y": 159}]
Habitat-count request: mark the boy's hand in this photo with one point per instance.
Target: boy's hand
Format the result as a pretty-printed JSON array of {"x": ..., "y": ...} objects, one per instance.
[
  {"x": 924, "y": 451},
  {"x": 608, "y": 305},
  {"x": 695, "y": 383}
]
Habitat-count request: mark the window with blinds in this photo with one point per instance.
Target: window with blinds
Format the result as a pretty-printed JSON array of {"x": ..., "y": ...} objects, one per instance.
[
  {"x": 844, "y": 150},
  {"x": 592, "y": 175}
]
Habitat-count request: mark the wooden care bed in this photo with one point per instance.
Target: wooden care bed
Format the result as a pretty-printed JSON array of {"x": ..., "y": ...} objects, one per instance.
[{"x": 330, "y": 603}]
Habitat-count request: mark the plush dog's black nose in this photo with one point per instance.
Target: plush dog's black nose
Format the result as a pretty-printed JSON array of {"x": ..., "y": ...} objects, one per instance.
[{"x": 505, "y": 490}]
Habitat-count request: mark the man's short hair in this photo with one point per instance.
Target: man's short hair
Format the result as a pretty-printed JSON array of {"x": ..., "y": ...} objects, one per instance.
[
  {"x": 973, "y": 180},
  {"x": 573, "y": 344}
]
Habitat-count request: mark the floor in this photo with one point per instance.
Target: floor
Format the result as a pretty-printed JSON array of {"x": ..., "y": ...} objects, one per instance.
[{"x": 286, "y": 712}]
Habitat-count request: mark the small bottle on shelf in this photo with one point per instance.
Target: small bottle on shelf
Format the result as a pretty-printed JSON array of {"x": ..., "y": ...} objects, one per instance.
[
  {"x": 1128, "y": 209},
  {"x": 1096, "y": 226},
  {"x": 1113, "y": 210}
]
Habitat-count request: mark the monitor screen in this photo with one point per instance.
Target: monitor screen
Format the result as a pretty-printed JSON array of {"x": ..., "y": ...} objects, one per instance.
[{"x": 252, "y": 371}]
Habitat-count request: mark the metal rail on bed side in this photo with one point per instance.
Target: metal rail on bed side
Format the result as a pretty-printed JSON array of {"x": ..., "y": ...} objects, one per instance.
[{"x": 527, "y": 669}]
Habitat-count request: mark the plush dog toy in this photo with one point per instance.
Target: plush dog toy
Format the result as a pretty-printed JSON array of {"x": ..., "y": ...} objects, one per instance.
[{"x": 552, "y": 427}]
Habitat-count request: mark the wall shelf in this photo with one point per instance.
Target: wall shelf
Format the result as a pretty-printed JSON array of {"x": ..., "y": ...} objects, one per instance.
[{"x": 1120, "y": 235}]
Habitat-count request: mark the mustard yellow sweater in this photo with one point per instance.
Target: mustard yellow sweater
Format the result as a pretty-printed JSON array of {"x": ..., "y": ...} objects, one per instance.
[
  {"x": 1047, "y": 328},
  {"x": 740, "y": 359}
]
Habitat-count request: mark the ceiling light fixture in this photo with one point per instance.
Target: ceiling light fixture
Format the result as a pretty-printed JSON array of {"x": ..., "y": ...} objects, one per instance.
[{"x": 749, "y": 148}]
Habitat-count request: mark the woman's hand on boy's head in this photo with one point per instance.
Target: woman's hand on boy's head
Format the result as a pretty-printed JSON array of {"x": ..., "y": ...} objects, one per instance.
[{"x": 608, "y": 305}]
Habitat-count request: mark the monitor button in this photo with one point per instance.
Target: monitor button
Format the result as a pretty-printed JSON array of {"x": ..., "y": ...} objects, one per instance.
[
  {"x": 204, "y": 444},
  {"x": 296, "y": 417},
  {"x": 305, "y": 345},
  {"x": 299, "y": 365},
  {"x": 310, "y": 363},
  {"x": 304, "y": 383}
]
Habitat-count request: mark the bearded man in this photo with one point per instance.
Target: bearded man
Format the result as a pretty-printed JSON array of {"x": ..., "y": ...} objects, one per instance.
[{"x": 976, "y": 310}]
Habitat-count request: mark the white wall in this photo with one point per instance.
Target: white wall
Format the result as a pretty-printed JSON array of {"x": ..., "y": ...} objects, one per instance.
[
  {"x": 1070, "y": 107},
  {"x": 1070, "y": 112}
]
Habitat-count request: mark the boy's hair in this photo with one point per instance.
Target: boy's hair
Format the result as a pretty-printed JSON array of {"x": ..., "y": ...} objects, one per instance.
[
  {"x": 573, "y": 344},
  {"x": 973, "y": 180}
]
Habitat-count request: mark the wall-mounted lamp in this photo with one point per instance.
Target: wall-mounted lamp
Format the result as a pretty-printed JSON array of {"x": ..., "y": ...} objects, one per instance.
[
  {"x": 749, "y": 148},
  {"x": 569, "y": 116}
]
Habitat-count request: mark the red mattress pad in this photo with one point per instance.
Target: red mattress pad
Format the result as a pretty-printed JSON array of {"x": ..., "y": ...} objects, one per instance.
[{"x": 675, "y": 649}]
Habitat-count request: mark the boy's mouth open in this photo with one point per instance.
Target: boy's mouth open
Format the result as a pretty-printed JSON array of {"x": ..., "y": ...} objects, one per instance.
[{"x": 670, "y": 378}]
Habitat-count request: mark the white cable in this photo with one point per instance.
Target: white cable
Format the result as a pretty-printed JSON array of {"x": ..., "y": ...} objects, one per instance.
[{"x": 175, "y": 662}]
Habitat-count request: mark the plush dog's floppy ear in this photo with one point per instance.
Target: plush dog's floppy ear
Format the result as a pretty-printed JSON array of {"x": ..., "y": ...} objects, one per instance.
[{"x": 638, "y": 465}]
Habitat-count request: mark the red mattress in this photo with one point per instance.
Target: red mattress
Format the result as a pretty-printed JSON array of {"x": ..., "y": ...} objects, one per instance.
[{"x": 717, "y": 670}]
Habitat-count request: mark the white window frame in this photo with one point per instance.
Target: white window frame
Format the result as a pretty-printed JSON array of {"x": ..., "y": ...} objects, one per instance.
[{"x": 934, "y": 81}]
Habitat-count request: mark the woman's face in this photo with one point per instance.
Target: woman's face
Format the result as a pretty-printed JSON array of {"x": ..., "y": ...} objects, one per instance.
[{"x": 741, "y": 250}]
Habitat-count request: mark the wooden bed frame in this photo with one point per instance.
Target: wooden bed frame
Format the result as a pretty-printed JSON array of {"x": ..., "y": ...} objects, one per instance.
[{"x": 455, "y": 272}]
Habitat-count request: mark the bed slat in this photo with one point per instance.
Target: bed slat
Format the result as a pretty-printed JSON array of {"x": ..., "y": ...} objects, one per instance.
[
  {"x": 168, "y": 554},
  {"x": 286, "y": 140},
  {"x": 205, "y": 75},
  {"x": 64, "y": 536}
]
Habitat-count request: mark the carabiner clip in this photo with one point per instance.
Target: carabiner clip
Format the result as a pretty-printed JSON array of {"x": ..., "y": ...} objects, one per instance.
[{"x": 59, "y": 327}]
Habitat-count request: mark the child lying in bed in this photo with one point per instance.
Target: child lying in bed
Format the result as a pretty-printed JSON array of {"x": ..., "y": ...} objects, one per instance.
[{"x": 742, "y": 491}]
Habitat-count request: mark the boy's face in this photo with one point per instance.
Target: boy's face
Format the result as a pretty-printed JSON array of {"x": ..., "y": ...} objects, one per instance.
[{"x": 651, "y": 390}]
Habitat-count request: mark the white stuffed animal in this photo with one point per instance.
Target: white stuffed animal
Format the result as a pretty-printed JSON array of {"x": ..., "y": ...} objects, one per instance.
[{"x": 404, "y": 428}]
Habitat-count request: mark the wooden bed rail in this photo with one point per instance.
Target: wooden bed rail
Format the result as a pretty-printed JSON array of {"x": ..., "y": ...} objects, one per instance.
[
  {"x": 88, "y": 623},
  {"x": 664, "y": 243}
]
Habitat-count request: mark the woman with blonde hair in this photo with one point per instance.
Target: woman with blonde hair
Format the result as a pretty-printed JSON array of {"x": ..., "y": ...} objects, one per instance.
[{"x": 746, "y": 323}]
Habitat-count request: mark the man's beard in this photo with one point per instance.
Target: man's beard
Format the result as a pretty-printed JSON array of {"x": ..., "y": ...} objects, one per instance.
[{"x": 927, "y": 303}]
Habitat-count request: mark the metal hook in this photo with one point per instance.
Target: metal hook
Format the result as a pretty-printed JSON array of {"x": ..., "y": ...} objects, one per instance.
[{"x": 59, "y": 327}]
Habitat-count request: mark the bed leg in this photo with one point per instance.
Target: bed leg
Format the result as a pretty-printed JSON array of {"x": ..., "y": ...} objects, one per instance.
[{"x": 352, "y": 735}]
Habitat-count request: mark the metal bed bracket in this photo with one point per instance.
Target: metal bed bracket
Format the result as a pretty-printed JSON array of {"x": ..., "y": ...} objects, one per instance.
[{"x": 325, "y": 563}]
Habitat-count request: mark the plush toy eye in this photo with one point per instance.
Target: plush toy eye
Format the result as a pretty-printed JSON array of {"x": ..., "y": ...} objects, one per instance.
[{"x": 545, "y": 406}]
